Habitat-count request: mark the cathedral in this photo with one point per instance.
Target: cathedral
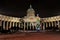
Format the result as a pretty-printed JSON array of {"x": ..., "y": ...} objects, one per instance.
[
  {"x": 30, "y": 22},
  {"x": 31, "y": 15}
]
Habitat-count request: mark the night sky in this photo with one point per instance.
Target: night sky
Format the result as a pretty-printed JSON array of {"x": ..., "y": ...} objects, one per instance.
[{"x": 18, "y": 8}]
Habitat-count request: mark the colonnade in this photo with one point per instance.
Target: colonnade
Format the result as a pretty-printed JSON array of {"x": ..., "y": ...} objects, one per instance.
[
  {"x": 7, "y": 25},
  {"x": 28, "y": 26},
  {"x": 51, "y": 24}
]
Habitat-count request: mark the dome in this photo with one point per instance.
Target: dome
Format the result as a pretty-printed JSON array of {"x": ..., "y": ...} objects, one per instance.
[
  {"x": 30, "y": 9},
  {"x": 30, "y": 12}
]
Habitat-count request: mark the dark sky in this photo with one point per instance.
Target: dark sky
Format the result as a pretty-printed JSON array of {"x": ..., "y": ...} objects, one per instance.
[{"x": 18, "y": 8}]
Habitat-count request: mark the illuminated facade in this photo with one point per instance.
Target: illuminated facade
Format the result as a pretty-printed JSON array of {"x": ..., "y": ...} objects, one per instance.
[
  {"x": 31, "y": 19},
  {"x": 29, "y": 22}
]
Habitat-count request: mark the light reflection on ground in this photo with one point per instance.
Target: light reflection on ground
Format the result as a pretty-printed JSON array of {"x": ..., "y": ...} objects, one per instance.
[{"x": 31, "y": 36}]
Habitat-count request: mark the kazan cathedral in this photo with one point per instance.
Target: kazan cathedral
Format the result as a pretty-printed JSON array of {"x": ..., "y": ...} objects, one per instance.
[{"x": 30, "y": 22}]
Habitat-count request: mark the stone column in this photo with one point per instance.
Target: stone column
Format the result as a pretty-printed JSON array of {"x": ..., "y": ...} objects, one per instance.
[
  {"x": 33, "y": 26},
  {"x": 27, "y": 25},
  {"x": 43, "y": 26},
  {"x": 52, "y": 24},
  {"x": 13, "y": 24},
  {"x": 10, "y": 25},
  {"x": 16, "y": 24},
  {"x": 7, "y": 26},
  {"x": 58, "y": 25},
  {"x": 0, "y": 23},
  {"x": 24, "y": 26},
  {"x": 46, "y": 24},
  {"x": 4, "y": 25},
  {"x": 30, "y": 25},
  {"x": 19, "y": 24}
]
